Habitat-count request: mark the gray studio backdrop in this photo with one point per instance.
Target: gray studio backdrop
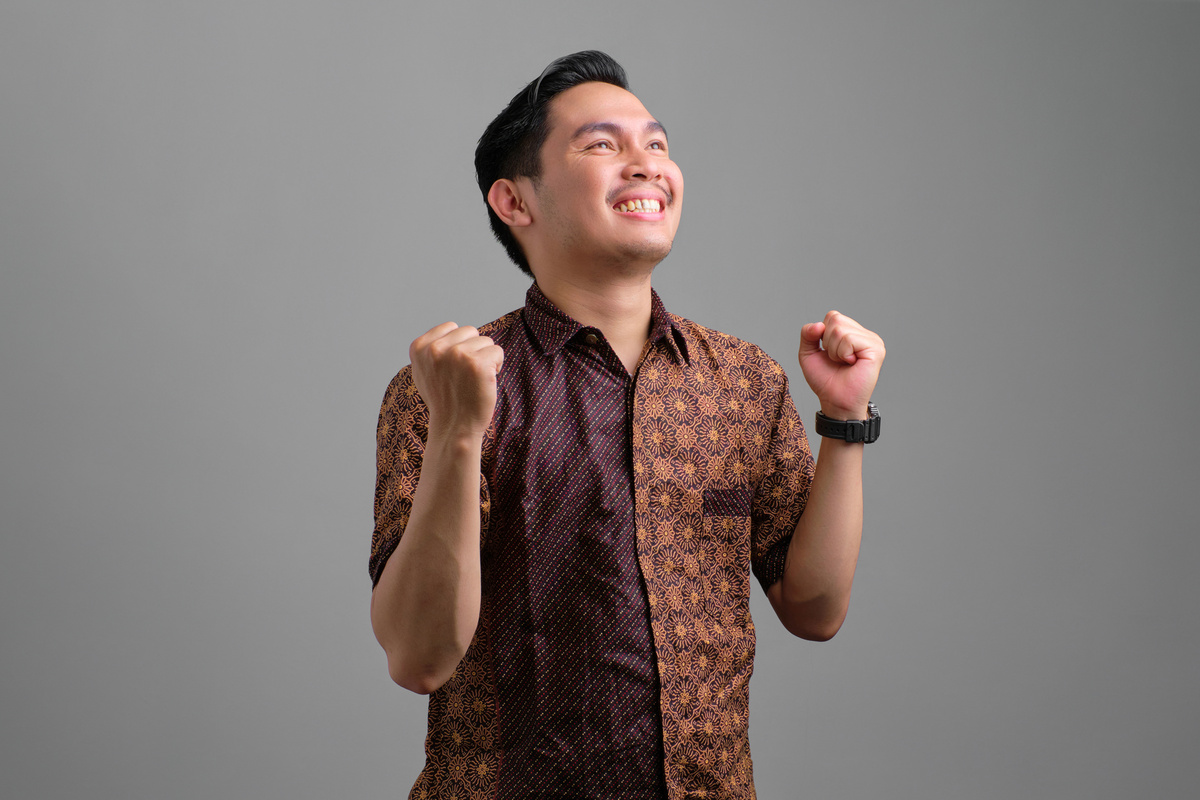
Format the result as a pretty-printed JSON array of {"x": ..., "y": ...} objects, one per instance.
[{"x": 222, "y": 223}]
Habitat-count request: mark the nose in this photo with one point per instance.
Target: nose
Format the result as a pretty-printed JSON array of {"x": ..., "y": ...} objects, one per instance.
[{"x": 641, "y": 167}]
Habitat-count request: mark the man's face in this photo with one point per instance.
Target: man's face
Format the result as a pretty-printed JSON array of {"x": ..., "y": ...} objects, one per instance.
[{"x": 604, "y": 153}]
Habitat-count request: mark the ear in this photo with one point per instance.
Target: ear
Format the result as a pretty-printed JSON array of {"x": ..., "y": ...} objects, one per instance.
[{"x": 507, "y": 200}]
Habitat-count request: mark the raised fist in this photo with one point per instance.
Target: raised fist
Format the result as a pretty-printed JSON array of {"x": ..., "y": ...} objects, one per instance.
[
  {"x": 455, "y": 371},
  {"x": 841, "y": 361}
]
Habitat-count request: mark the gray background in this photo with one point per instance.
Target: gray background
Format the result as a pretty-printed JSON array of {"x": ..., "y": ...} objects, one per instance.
[{"x": 223, "y": 223}]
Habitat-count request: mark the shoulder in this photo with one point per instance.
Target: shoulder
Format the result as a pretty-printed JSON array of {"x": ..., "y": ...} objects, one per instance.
[
  {"x": 721, "y": 352},
  {"x": 402, "y": 414},
  {"x": 500, "y": 328},
  {"x": 401, "y": 391}
]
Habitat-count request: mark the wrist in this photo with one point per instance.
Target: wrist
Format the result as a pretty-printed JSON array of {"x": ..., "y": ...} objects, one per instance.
[
  {"x": 863, "y": 429},
  {"x": 451, "y": 439},
  {"x": 843, "y": 412}
]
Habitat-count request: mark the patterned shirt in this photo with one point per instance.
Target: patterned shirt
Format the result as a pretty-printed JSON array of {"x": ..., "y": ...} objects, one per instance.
[{"x": 679, "y": 482}]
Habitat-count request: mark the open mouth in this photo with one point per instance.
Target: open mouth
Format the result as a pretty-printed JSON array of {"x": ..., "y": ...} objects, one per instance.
[{"x": 633, "y": 206}]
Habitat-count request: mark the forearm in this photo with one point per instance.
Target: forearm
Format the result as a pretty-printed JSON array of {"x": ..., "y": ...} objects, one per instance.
[
  {"x": 425, "y": 608},
  {"x": 813, "y": 596}
]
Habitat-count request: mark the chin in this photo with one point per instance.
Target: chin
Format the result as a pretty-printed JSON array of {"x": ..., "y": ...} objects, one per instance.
[
  {"x": 648, "y": 250},
  {"x": 636, "y": 260}
]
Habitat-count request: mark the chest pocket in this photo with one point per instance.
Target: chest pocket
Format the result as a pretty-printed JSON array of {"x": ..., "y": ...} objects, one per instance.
[{"x": 727, "y": 565}]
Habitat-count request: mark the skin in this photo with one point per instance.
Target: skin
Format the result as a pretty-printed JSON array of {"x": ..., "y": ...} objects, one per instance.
[
  {"x": 590, "y": 260},
  {"x": 595, "y": 262}
]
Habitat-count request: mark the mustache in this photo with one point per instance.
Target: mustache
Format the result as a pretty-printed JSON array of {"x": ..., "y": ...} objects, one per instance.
[{"x": 633, "y": 187}]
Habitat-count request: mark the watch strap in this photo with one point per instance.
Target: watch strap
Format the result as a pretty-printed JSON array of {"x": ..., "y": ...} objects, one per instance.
[{"x": 851, "y": 430}]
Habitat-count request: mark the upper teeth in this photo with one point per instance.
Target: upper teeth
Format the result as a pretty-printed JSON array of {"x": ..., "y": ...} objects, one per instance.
[{"x": 639, "y": 205}]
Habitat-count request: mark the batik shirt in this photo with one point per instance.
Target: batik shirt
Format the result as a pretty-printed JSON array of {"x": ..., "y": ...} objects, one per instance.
[{"x": 698, "y": 474}]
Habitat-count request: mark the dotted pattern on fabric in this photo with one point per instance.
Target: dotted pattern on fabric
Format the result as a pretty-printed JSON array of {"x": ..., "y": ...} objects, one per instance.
[
  {"x": 721, "y": 473},
  {"x": 577, "y": 689}
]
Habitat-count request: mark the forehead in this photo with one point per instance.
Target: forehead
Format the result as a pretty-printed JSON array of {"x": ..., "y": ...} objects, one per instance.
[{"x": 595, "y": 102}]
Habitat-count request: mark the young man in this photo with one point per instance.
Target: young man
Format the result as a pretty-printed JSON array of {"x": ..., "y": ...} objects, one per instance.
[{"x": 570, "y": 499}]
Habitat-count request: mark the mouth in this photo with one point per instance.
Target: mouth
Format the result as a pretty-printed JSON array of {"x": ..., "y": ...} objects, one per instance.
[{"x": 644, "y": 205}]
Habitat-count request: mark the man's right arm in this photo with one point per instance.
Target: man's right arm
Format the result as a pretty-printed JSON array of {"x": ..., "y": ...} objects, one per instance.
[{"x": 425, "y": 606}]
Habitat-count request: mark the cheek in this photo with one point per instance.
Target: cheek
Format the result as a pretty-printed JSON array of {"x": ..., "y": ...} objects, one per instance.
[{"x": 676, "y": 178}]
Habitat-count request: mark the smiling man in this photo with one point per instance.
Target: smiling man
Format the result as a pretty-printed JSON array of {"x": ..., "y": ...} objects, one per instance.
[{"x": 571, "y": 499}]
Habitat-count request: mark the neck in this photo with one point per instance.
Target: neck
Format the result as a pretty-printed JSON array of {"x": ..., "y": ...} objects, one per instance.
[{"x": 620, "y": 308}]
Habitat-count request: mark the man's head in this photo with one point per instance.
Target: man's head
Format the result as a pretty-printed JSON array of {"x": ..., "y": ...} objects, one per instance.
[{"x": 560, "y": 159}]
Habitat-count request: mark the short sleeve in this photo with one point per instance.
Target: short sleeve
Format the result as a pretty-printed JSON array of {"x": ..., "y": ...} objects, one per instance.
[
  {"x": 782, "y": 491},
  {"x": 400, "y": 446}
]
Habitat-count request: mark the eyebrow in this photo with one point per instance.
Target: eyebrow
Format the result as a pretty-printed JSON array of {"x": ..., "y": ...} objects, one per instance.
[{"x": 613, "y": 129}]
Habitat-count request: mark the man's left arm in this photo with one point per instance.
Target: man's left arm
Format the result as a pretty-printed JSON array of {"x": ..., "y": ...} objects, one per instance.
[{"x": 841, "y": 361}]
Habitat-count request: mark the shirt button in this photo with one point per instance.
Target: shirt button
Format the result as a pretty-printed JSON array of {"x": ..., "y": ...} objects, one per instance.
[{"x": 591, "y": 338}]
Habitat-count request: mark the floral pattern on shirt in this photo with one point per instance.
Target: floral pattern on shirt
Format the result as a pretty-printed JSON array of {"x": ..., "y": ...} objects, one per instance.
[{"x": 722, "y": 472}]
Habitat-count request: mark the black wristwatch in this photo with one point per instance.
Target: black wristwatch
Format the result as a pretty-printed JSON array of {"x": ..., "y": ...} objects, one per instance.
[{"x": 852, "y": 430}]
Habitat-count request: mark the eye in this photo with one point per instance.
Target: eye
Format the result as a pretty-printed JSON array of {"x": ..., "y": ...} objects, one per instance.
[
  {"x": 658, "y": 146},
  {"x": 601, "y": 145}
]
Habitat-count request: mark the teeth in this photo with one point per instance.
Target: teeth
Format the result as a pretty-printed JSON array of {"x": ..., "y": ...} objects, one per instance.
[{"x": 640, "y": 205}]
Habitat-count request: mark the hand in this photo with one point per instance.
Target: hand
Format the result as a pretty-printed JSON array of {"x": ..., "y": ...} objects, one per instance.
[
  {"x": 455, "y": 371},
  {"x": 841, "y": 361}
]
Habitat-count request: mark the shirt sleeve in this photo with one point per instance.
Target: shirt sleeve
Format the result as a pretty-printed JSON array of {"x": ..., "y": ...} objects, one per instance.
[
  {"x": 782, "y": 492},
  {"x": 400, "y": 439}
]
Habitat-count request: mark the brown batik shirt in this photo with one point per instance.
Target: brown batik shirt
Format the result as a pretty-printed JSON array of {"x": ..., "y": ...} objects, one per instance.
[{"x": 621, "y": 517}]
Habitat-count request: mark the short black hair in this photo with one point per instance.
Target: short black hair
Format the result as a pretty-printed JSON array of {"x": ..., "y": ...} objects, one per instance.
[{"x": 511, "y": 146}]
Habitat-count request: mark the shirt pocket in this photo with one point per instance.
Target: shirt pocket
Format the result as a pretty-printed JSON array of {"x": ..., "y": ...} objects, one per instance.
[
  {"x": 727, "y": 522},
  {"x": 726, "y": 563}
]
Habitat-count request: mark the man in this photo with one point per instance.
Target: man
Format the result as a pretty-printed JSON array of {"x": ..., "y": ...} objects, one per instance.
[{"x": 570, "y": 499}]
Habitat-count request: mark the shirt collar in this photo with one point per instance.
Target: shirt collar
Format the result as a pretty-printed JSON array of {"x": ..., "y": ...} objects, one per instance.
[{"x": 552, "y": 328}]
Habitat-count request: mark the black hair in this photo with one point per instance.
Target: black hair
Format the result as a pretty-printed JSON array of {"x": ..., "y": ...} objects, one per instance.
[{"x": 511, "y": 146}]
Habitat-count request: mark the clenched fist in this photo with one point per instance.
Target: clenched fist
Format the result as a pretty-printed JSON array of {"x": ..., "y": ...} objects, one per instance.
[
  {"x": 841, "y": 361},
  {"x": 455, "y": 371}
]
